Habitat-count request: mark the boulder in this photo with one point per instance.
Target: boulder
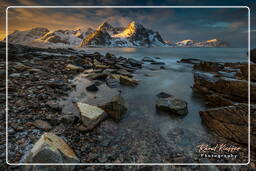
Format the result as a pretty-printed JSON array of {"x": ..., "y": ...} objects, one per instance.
[
  {"x": 115, "y": 107},
  {"x": 71, "y": 67},
  {"x": 208, "y": 66},
  {"x": 50, "y": 149},
  {"x": 171, "y": 104},
  {"x": 233, "y": 89},
  {"x": 135, "y": 62},
  {"x": 148, "y": 59},
  {"x": 90, "y": 115},
  {"x": 42, "y": 125},
  {"x": 231, "y": 122}
]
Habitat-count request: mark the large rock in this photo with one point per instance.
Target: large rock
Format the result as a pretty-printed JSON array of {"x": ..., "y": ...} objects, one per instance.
[
  {"x": 208, "y": 66},
  {"x": 91, "y": 116},
  {"x": 231, "y": 122},
  {"x": 50, "y": 149},
  {"x": 171, "y": 104},
  {"x": 233, "y": 89}
]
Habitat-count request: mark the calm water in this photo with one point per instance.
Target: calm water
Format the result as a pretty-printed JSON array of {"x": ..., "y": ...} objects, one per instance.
[{"x": 176, "y": 79}]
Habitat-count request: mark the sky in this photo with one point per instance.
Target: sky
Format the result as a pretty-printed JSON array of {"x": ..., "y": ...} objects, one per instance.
[{"x": 174, "y": 24}]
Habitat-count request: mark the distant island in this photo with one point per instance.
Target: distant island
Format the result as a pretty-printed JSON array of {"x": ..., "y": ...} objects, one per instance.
[{"x": 105, "y": 35}]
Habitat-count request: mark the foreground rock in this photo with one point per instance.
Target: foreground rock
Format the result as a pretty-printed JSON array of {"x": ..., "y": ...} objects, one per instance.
[
  {"x": 208, "y": 66},
  {"x": 226, "y": 88},
  {"x": 51, "y": 149},
  {"x": 231, "y": 122},
  {"x": 91, "y": 116},
  {"x": 171, "y": 104}
]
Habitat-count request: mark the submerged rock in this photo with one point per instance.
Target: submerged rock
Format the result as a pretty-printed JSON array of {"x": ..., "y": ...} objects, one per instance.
[
  {"x": 171, "y": 104},
  {"x": 50, "y": 149},
  {"x": 91, "y": 116}
]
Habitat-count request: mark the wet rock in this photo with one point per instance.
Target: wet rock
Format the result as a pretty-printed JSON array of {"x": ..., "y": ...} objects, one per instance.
[
  {"x": 128, "y": 81},
  {"x": 233, "y": 89},
  {"x": 135, "y": 62},
  {"x": 42, "y": 125},
  {"x": 216, "y": 100},
  {"x": 148, "y": 59},
  {"x": 115, "y": 108},
  {"x": 190, "y": 61},
  {"x": 124, "y": 80},
  {"x": 50, "y": 149},
  {"x": 171, "y": 104},
  {"x": 124, "y": 72},
  {"x": 67, "y": 119},
  {"x": 71, "y": 67},
  {"x": 92, "y": 88},
  {"x": 208, "y": 66},
  {"x": 231, "y": 122},
  {"x": 91, "y": 116}
]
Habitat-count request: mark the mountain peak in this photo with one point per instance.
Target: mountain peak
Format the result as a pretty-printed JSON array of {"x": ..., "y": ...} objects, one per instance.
[
  {"x": 105, "y": 26},
  {"x": 134, "y": 25}
]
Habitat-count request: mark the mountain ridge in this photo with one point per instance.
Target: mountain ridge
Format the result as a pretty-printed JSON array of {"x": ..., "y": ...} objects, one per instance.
[{"x": 105, "y": 35}]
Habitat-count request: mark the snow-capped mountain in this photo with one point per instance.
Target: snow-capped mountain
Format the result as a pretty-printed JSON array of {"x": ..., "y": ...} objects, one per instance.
[
  {"x": 105, "y": 35},
  {"x": 133, "y": 35},
  {"x": 96, "y": 38},
  {"x": 25, "y": 37},
  {"x": 109, "y": 28},
  {"x": 207, "y": 43}
]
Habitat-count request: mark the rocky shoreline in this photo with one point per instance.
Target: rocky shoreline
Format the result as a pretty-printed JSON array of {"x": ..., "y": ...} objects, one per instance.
[
  {"x": 39, "y": 78},
  {"x": 225, "y": 89}
]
